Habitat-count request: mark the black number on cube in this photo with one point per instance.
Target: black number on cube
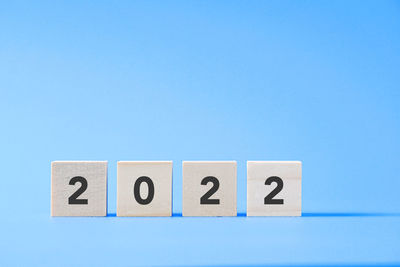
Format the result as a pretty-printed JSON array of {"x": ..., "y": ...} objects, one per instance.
[
  {"x": 269, "y": 199},
  {"x": 136, "y": 190},
  {"x": 206, "y": 198},
  {"x": 73, "y": 199}
]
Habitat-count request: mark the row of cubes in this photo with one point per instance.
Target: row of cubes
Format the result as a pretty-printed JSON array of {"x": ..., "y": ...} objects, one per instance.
[{"x": 144, "y": 188}]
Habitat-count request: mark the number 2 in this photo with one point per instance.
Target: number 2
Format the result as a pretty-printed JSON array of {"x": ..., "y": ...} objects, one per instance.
[
  {"x": 73, "y": 199},
  {"x": 206, "y": 198},
  {"x": 269, "y": 198}
]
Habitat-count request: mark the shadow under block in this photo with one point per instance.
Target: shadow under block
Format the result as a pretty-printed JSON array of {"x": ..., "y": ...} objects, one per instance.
[
  {"x": 209, "y": 188},
  {"x": 144, "y": 188},
  {"x": 79, "y": 188},
  {"x": 273, "y": 188}
]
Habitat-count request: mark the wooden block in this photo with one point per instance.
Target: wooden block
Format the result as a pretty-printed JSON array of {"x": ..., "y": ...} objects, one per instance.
[
  {"x": 79, "y": 188},
  {"x": 144, "y": 188},
  {"x": 273, "y": 188},
  {"x": 209, "y": 188}
]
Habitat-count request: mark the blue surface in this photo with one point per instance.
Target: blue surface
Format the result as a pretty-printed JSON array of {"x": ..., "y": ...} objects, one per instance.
[{"x": 191, "y": 80}]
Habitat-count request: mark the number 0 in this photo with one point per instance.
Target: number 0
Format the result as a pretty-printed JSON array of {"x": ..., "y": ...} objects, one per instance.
[{"x": 136, "y": 190}]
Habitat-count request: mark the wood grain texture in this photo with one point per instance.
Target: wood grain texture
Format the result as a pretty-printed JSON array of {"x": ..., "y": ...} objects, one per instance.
[
  {"x": 94, "y": 172},
  {"x": 193, "y": 189},
  {"x": 257, "y": 174},
  {"x": 160, "y": 173}
]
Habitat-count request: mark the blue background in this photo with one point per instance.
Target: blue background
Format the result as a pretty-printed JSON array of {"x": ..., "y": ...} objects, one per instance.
[{"x": 315, "y": 81}]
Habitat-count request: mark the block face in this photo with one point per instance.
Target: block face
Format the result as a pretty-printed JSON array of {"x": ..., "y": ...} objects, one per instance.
[
  {"x": 209, "y": 188},
  {"x": 144, "y": 188},
  {"x": 79, "y": 188},
  {"x": 274, "y": 188}
]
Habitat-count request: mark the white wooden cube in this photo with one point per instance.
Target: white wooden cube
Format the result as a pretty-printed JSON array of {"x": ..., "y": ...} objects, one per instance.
[
  {"x": 273, "y": 188},
  {"x": 79, "y": 188},
  {"x": 209, "y": 188},
  {"x": 144, "y": 188}
]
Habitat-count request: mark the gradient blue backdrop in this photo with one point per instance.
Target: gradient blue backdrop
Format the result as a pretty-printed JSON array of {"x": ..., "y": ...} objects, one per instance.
[{"x": 315, "y": 81}]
